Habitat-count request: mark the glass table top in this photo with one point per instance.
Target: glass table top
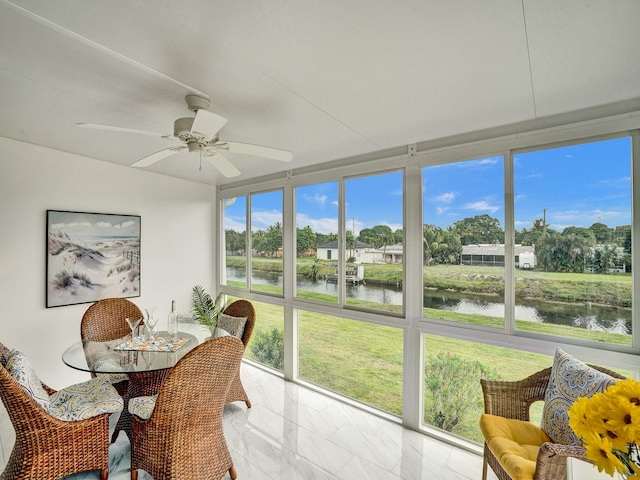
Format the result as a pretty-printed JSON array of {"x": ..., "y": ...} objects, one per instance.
[{"x": 117, "y": 356}]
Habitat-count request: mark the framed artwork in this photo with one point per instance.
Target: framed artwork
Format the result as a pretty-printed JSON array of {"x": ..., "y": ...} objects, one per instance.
[{"x": 91, "y": 256}]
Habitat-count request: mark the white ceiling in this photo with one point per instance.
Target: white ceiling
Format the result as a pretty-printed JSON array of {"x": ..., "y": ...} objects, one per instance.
[{"x": 324, "y": 79}]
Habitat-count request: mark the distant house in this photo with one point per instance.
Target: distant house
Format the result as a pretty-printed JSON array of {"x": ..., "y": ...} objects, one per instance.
[
  {"x": 493, "y": 255},
  {"x": 389, "y": 254},
  {"x": 329, "y": 251}
]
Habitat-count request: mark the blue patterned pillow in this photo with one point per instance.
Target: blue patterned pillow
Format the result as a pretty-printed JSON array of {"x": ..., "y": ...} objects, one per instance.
[
  {"x": 21, "y": 369},
  {"x": 142, "y": 406},
  {"x": 570, "y": 379},
  {"x": 85, "y": 400}
]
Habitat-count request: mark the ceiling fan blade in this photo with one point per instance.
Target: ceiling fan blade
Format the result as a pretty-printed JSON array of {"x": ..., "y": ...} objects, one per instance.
[
  {"x": 156, "y": 157},
  {"x": 124, "y": 130},
  {"x": 256, "y": 150},
  {"x": 220, "y": 162},
  {"x": 207, "y": 124}
]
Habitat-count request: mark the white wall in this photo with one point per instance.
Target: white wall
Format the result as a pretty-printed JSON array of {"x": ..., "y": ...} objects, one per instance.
[{"x": 177, "y": 249}]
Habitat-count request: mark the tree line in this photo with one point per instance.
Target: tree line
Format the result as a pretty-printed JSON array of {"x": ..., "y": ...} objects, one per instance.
[{"x": 574, "y": 249}]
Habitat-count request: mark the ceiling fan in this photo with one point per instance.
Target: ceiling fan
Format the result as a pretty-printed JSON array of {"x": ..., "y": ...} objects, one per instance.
[{"x": 199, "y": 134}]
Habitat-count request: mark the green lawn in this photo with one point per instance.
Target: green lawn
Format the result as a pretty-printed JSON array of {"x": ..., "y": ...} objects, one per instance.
[{"x": 364, "y": 361}]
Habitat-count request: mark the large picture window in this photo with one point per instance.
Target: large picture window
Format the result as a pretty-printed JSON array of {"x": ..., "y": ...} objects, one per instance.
[{"x": 573, "y": 218}]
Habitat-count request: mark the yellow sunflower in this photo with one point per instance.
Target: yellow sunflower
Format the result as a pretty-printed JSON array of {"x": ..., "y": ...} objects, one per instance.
[
  {"x": 623, "y": 418},
  {"x": 600, "y": 450},
  {"x": 584, "y": 416}
]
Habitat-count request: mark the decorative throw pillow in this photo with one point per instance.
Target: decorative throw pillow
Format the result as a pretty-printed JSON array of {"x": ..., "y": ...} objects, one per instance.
[
  {"x": 570, "y": 379},
  {"x": 21, "y": 369},
  {"x": 233, "y": 325},
  {"x": 142, "y": 406}
]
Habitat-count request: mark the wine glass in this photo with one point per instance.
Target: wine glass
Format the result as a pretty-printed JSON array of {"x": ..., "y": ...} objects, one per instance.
[
  {"x": 133, "y": 324},
  {"x": 151, "y": 322}
]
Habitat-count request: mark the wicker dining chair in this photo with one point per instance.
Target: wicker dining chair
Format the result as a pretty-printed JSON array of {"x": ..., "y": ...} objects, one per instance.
[
  {"x": 241, "y": 308},
  {"x": 105, "y": 320},
  {"x": 183, "y": 437},
  {"x": 512, "y": 400},
  {"x": 45, "y": 447}
]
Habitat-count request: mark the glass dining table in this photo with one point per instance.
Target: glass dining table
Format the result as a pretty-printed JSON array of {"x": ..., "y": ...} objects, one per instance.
[{"x": 144, "y": 363}]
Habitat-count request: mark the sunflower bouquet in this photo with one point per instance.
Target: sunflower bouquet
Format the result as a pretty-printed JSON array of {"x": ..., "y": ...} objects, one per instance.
[{"x": 608, "y": 423}]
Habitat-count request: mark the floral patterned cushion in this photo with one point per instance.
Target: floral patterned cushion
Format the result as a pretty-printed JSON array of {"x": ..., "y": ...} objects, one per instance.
[
  {"x": 107, "y": 365},
  {"x": 142, "y": 406},
  {"x": 20, "y": 368},
  {"x": 85, "y": 400},
  {"x": 233, "y": 325},
  {"x": 570, "y": 379}
]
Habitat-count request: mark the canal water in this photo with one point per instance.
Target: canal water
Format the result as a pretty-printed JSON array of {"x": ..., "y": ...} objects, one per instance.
[{"x": 591, "y": 317}]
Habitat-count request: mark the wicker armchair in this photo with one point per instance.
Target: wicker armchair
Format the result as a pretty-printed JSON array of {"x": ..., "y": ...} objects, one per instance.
[
  {"x": 47, "y": 448},
  {"x": 183, "y": 436},
  {"x": 512, "y": 400},
  {"x": 104, "y": 321},
  {"x": 241, "y": 308}
]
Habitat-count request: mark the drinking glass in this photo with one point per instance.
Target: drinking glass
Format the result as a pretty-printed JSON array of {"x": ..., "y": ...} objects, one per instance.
[
  {"x": 151, "y": 322},
  {"x": 133, "y": 324}
]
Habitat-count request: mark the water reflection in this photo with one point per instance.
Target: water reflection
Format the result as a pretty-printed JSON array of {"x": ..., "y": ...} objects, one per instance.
[{"x": 587, "y": 316}]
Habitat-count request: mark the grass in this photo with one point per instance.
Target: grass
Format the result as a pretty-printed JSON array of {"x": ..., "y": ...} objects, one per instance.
[{"x": 364, "y": 361}]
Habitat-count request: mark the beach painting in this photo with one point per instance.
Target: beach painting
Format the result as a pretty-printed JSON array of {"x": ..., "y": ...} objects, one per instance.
[{"x": 91, "y": 256}]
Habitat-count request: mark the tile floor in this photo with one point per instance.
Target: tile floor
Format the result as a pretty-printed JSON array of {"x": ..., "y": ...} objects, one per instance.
[{"x": 294, "y": 433}]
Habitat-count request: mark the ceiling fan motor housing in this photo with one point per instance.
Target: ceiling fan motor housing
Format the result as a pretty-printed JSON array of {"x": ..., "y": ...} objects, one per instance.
[{"x": 182, "y": 128}]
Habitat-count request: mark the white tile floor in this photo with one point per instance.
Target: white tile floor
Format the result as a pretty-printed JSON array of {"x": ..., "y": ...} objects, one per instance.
[{"x": 294, "y": 433}]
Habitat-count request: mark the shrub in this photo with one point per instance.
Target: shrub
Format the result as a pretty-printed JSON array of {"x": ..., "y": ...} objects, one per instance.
[
  {"x": 452, "y": 388},
  {"x": 268, "y": 348}
]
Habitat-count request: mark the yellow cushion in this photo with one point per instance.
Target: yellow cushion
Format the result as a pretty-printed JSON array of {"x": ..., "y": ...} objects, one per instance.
[{"x": 514, "y": 443}]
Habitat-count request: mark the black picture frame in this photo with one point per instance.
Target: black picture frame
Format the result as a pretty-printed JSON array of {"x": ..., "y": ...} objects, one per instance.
[{"x": 91, "y": 256}]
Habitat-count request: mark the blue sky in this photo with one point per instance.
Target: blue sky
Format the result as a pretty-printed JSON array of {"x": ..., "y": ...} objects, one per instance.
[{"x": 578, "y": 185}]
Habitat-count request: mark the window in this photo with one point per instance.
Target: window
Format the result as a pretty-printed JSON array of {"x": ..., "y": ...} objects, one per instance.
[
  {"x": 452, "y": 372},
  {"x": 266, "y": 344},
  {"x": 374, "y": 242},
  {"x": 316, "y": 241},
  {"x": 355, "y": 359},
  {"x": 573, "y": 220},
  {"x": 234, "y": 224},
  {"x": 463, "y": 241},
  {"x": 266, "y": 242}
]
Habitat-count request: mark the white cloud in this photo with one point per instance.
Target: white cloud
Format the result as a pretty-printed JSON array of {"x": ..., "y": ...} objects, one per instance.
[
  {"x": 260, "y": 220},
  {"x": 445, "y": 197},
  {"x": 318, "y": 225},
  {"x": 482, "y": 206},
  {"x": 103, "y": 225}
]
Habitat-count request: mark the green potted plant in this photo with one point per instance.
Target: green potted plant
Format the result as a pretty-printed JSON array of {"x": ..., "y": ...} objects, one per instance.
[{"x": 205, "y": 309}]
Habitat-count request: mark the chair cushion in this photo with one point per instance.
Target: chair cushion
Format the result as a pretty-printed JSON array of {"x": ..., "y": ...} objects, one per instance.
[
  {"x": 233, "y": 325},
  {"x": 85, "y": 400},
  {"x": 514, "y": 443},
  {"x": 142, "y": 406},
  {"x": 569, "y": 380},
  {"x": 21, "y": 369}
]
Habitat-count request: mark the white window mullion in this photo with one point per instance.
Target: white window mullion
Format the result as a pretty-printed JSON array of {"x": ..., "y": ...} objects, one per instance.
[
  {"x": 509, "y": 248},
  {"x": 413, "y": 355}
]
